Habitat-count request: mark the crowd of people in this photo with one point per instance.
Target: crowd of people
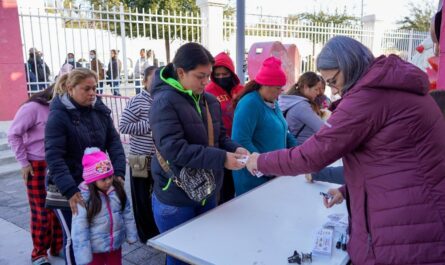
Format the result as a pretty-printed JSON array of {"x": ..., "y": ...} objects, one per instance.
[
  {"x": 193, "y": 123},
  {"x": 38, "y": 74}
]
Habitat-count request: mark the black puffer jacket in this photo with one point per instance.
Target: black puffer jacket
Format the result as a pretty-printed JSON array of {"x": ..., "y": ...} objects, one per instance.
[
  {"x": 179, "y": 126},
  {"x": 70, "y": 129}
]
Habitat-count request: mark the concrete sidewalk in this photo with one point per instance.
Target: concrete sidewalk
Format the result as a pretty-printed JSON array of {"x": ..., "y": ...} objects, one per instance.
[{"x": 15, "y": 238}]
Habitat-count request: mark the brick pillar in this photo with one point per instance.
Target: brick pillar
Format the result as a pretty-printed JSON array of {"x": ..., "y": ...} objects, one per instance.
[{"x": 13, "y": 89}]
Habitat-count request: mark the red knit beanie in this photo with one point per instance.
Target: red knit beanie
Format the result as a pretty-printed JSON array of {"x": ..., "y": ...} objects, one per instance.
[{"x": 270, "y": 73}]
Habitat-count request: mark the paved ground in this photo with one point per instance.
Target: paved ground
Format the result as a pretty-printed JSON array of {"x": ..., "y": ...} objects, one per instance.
[{"x": 15, "y": 239}]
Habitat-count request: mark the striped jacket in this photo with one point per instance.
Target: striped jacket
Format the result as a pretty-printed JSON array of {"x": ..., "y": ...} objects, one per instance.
[{"x": 135, "y": 122}]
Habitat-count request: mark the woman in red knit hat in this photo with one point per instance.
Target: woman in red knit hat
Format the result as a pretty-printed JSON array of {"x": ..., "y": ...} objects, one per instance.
[{"x": 259, "y": 125}]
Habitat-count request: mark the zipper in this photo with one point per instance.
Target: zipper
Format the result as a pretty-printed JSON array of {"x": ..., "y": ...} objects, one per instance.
[{"x": 107, "y": 199}]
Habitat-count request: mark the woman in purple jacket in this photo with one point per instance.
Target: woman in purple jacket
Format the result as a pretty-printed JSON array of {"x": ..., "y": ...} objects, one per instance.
[
  {"x": 390, "y": 134},
  {"x": 26, "y": 137}
]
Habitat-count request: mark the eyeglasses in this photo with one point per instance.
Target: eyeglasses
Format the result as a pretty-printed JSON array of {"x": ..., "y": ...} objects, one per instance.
[{"x": 332, "y": 81}]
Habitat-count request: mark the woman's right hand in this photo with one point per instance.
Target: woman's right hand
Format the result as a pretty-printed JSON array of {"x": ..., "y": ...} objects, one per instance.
[
  {"x": 26, "y": 171},
  {"x": 76, "y": 199},
  {"x": 337, "y": 198},
  {"x": 232, "y": 162}
]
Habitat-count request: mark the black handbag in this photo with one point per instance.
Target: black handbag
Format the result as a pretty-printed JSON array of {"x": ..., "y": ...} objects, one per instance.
[{"x": 198, "y": 184}]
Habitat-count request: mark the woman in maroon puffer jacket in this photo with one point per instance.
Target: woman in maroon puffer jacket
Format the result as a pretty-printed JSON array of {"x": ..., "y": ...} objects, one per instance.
[{"x": 390, "y": 134}]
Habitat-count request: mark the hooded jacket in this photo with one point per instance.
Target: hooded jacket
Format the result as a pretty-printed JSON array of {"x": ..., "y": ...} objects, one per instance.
[
  {"x": 108, "y": 230},
  {"x": 390, "y": 134},
  {"x": 179, "y": 127},
  {"x": 69, "y": 130},
  {"x": 303, "y": 122},
  {"x": 221, "y": 95}
]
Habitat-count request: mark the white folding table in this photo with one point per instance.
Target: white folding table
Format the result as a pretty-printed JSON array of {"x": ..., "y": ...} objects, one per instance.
[{"x": 263, "y": 226}]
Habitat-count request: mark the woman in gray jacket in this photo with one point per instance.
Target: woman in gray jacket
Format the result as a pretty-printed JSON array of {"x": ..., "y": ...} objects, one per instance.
[
  {"x": 298, "y": 105},
  {"x": 304, "y": 118}
]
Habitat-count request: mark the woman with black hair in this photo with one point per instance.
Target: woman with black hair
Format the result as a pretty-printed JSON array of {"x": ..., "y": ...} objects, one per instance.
[
  {"x": 190, "y": 137},
  {"x": 26, "y": 137}
]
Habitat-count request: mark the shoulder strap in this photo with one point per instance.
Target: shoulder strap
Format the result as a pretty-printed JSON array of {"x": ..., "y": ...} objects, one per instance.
[
  {"x": 210, "y": 126},
  {"x": 299, "y": 131}
]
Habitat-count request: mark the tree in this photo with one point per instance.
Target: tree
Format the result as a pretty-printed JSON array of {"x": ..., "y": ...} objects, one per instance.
[
  {"x": 323, "y": 17},
  {"x": 419, "y": 17},
  {"x": 167, "y": 32},
  {"x": 321, "y": 20}
]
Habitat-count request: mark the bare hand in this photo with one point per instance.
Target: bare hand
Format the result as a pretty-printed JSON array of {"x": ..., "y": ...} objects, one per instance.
[
  {"x": 232, "y": 163},
  {"x": 242, "y": 151},
  {"x": 337, "y": 198},
  {"x": 76, "y": 199},
  {"x": 309, "y": 178},
  {"x": 251, "y": 164},
  {"x": 26, "y": 171}
]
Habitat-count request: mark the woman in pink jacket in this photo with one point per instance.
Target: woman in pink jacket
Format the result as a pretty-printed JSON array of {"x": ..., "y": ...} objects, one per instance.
[
  {"x": 389, "y": 132},
  {"x": 26, "y": 137}
]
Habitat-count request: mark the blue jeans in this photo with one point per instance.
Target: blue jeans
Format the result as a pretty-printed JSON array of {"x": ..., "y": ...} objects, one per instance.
[
  {"x": 115, "y": 88},
  {"x": 137, "y": 86},
  {"x": 168, "y": 216}
]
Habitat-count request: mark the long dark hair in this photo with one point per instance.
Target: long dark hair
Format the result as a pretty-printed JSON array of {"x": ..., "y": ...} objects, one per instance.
[
  {"x": 251, "y": 86},
  {"x": 43, "y": 97},
  {"x": 95, "y": 204},
  {"x": 191, "y": 55},
  {"x": 148, "y": 71},
  {"x": 309, "y": 79}
]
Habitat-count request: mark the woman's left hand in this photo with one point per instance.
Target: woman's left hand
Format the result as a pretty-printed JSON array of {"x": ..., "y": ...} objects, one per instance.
[
  {"x": 242, "y": 151},
  {"x": 251, "y": 164}
]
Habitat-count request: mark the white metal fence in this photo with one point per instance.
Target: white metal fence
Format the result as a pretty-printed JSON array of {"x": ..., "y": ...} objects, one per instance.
[
  {"x": 311, "y": 37},
  {"x": 57, "y": 31}
]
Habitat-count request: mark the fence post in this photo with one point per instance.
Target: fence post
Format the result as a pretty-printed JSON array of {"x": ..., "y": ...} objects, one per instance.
[
  {"x": 378, "y": 29},
  {"x": 410, "y": 45},
  {"x": 212, "y": 30},
  {"x": 124, "y": 46}
]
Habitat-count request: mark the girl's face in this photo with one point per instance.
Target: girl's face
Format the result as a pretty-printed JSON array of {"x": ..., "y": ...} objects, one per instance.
[
  {"x": 104, "y": 184},
  {"x": 196, "y": 79}
]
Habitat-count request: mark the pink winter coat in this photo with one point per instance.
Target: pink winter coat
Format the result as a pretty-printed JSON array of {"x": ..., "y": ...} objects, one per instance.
[{"x": 391, "y": 136}]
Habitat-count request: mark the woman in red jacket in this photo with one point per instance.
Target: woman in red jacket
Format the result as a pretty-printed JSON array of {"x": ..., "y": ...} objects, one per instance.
[{"x": 225, "y": 86}]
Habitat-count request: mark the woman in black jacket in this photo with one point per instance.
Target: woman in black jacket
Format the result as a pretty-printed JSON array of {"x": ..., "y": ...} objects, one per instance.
[
  {"x": 179, "y": 126},
  {"x": 77, "y": 120}
]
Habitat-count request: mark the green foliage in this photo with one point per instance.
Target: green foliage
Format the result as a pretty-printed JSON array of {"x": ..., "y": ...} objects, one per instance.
[
  {"x": 419, "y": 17},
  {"x": 323, "y": 17}
]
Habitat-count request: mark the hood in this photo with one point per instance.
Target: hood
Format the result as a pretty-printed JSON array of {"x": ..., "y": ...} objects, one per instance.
[
  {"x": 163, "y": 80},
  {"x": 285, "y": 102},
  {"x": 394, "y": 73},
  {"x": 223, "y": 59},
  {"x": 62, "y": 102}
]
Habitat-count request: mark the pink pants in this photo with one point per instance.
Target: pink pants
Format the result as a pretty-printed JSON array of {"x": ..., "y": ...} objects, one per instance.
[{"x": 109, "y": 258}]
